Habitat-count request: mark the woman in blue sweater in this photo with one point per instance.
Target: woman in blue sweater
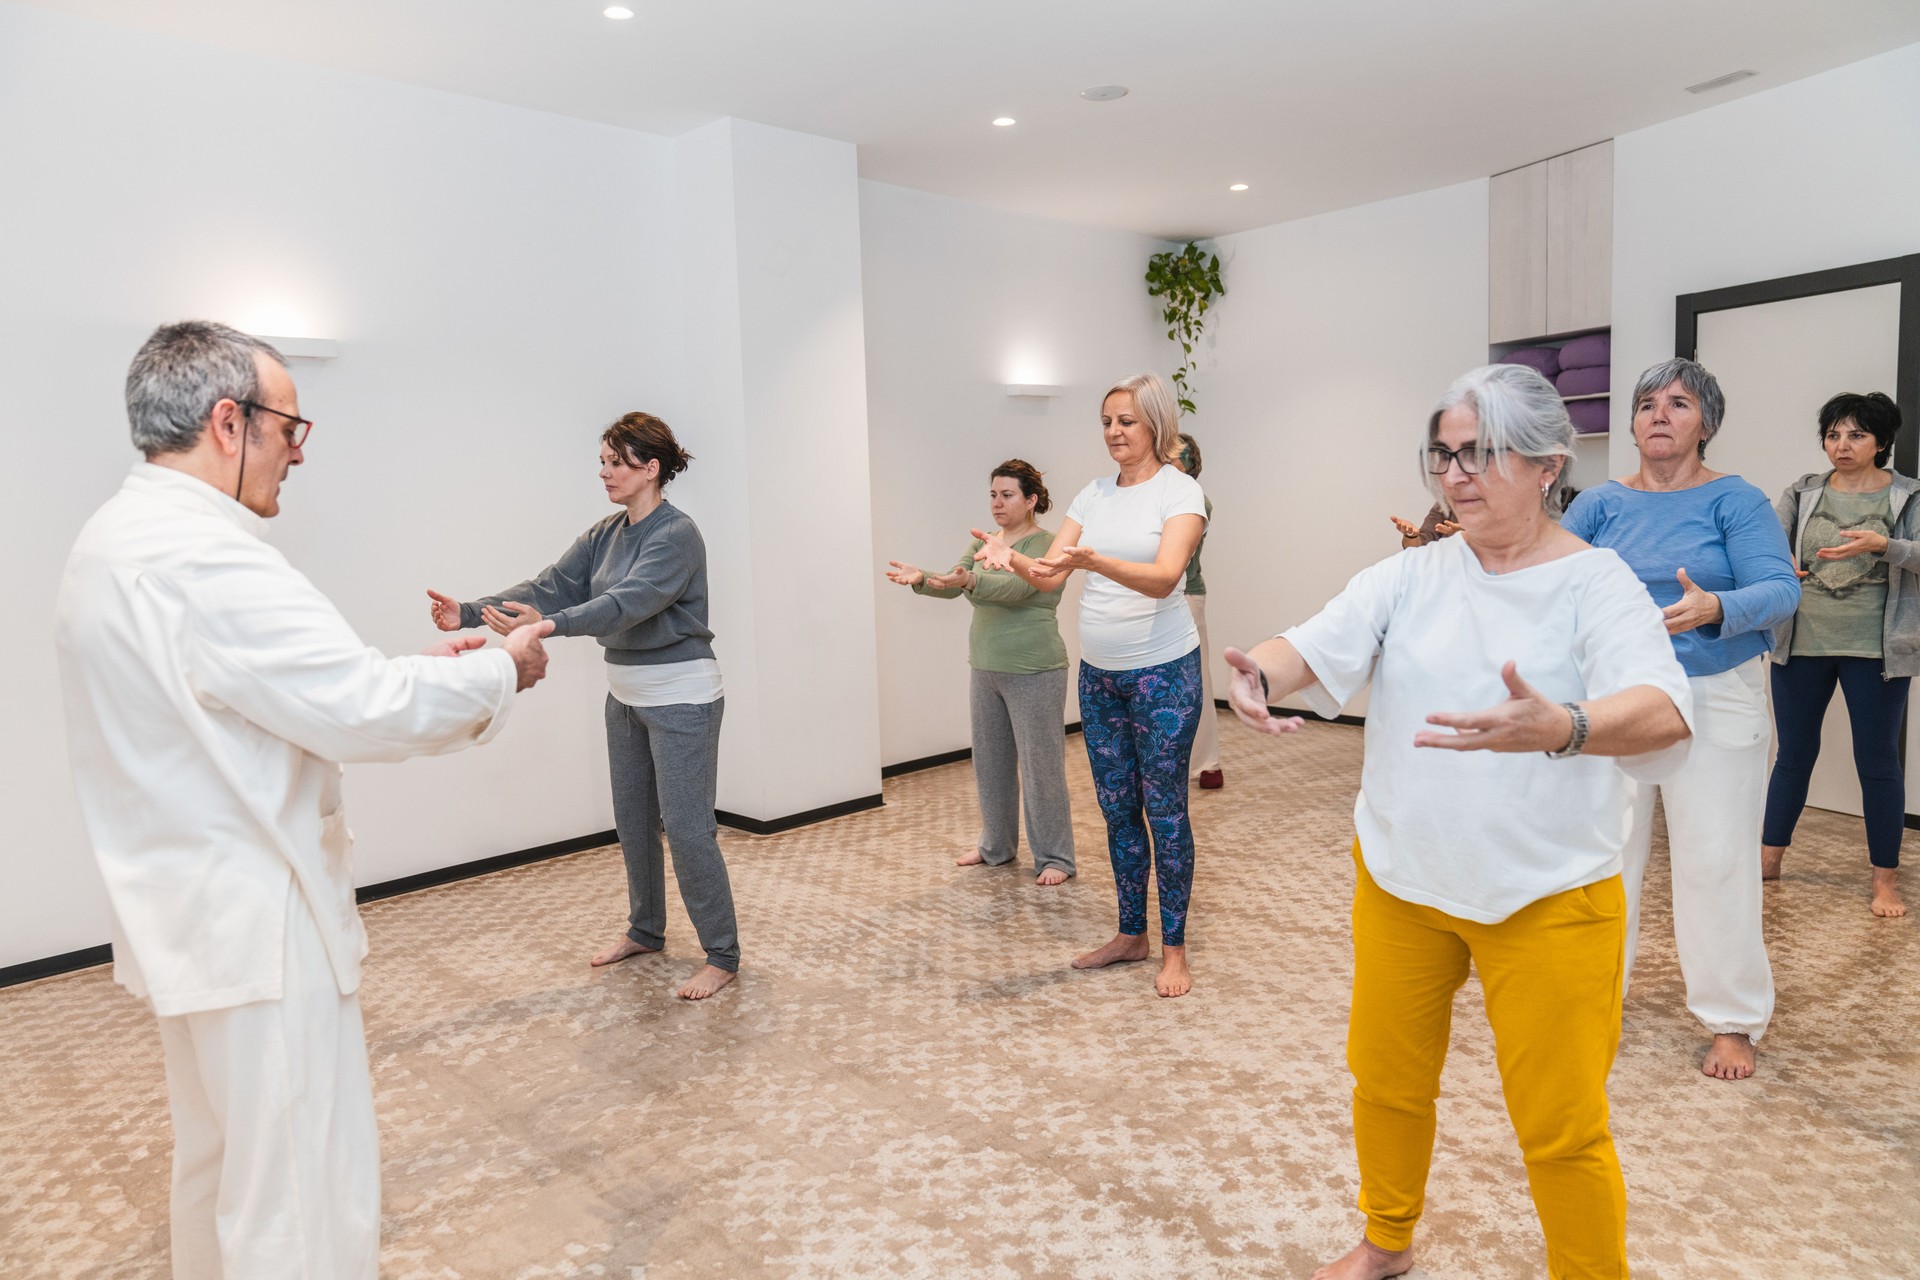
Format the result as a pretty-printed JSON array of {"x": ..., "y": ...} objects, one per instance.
[{"x": 1711, "y": 553}]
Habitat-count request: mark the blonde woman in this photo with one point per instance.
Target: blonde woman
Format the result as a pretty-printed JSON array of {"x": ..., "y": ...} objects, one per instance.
[{"x": 1134, "y": 533}]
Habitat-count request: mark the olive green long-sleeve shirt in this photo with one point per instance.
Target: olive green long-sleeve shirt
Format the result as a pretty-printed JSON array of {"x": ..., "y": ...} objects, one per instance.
[{"x": 1016, "y": 628}]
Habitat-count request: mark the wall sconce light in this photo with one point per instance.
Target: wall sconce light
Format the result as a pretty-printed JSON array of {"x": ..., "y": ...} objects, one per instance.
[
  {"x": 303, "y": 348},
  {"x": 1036, "y": 389}
]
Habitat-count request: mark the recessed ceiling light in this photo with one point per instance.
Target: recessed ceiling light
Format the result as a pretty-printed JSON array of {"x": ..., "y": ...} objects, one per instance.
[
  {"x": 1238, "y": 186},
  {"x": 1004, "y": 121},
  {"x": 1721, "y": 82},
  {"x": 1104, "y": 92},
  {"x": 618, "y": 11}
]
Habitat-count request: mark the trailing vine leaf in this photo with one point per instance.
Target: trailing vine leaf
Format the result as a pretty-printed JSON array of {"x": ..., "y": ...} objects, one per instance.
[{"x": 1188, "y": 279}]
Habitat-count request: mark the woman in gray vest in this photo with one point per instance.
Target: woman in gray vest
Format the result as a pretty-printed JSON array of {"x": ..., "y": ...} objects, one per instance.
[
  {"x": 637, "y": 582},
  {"x": 1855, "y": 533}
]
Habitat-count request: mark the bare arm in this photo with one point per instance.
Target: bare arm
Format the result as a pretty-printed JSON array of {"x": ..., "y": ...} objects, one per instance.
[
  {"x": 1632, "y": 722},
  {"x": 1179, "y": 538}
]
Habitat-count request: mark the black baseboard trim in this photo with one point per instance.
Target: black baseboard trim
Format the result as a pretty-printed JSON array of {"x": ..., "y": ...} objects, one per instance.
[
  {"x": 944, "y": 757},
  {"x": 774, "y": 826},
  {"x": 482, "y": 866},
  {"x": 53, "y": 966},
  {"x": 1360, "y": 721}
]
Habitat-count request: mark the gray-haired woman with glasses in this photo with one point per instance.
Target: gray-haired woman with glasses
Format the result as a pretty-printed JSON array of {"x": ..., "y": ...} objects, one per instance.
[
  {"x": 1482, "y": 840},
  {"x": 1711, "y": 553}
]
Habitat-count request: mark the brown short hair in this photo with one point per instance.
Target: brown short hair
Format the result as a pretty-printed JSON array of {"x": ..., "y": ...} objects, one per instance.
[
  {"x": 639, "y": 437},
  {"x": 1027, "y": 477}
]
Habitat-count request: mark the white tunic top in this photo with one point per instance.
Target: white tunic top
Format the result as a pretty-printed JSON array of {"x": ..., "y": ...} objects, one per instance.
[
  {"x": 1120, "y": 629},
  {"x": 1480, "y": 834},
  {"x": 210, "y": 689}
]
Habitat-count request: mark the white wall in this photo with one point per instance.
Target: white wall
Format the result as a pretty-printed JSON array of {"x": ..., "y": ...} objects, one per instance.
[
  {"x": 961, "y": 300},
  {"x": 1337, "y": 335},
  {"x": 1820, "y": 173},
  {"x": 493, "y": 276}
]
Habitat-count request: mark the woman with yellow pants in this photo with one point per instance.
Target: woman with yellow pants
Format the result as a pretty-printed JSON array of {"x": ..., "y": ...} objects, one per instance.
[{"x": 1491, "y": 838}]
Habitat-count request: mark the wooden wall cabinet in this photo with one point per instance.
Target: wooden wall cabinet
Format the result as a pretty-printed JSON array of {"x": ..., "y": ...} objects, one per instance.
[{"x": 1550, "y": 246}]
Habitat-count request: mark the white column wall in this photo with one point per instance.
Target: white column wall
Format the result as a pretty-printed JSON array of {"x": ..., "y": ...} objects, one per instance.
[{"x": 962, "y": 300}]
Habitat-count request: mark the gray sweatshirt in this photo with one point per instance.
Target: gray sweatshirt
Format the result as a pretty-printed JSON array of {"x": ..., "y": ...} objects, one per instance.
[
  {"x": 1900, "y": 634},
  {"x": 640, "y": 590}
]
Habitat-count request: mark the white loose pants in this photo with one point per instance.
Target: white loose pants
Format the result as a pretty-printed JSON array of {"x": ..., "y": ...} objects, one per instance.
[
  {"x": 276, "y": 1160},
  {"x": 1206, "y": 740},
  {"x": 1714, "y": 805}
]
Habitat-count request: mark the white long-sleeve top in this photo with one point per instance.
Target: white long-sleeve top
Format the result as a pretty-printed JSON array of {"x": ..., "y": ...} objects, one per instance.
[
  {"x": 1480, "y": 834},
  {"x": 211, "y": 693}
]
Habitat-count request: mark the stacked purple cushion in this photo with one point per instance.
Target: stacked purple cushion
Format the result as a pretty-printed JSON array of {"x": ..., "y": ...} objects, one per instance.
[
  {"x": 1588, "y": 381},
  {"x": 1543, "y": 360},
  {"x": 1589, "y": 416},
  {"x": 1595, "y": 351}
]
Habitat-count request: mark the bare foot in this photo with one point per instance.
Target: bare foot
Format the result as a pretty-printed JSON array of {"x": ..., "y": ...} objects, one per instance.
[
  {"x": 1887, "y": 901},
  {"x": 1175, "y": 979},
  {"x": 1124, "y": 948},
  {"x": 1730, "y": 1057},
  {"x": 620, "y": 951},
  {"x": 1771, "y": 856},
  {"x": 1052, "y": 875},
  {"x": 1368, "y": 1261},
  {"x": 971, "y": 858},
  {"x": 705, "y": 983}
]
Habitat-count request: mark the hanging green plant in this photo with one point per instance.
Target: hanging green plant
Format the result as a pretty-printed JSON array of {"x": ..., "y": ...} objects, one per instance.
[{"x": 1189, "y": 279}]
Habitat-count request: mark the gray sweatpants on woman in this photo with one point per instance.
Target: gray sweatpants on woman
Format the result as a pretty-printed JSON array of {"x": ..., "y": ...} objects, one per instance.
[
  {"x": 665, "y": 762},
  {"x": 1019, "y": 746}
]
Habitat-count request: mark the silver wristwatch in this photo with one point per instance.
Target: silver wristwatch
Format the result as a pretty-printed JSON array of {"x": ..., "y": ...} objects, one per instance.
[{"x": 1577, "y": 743}]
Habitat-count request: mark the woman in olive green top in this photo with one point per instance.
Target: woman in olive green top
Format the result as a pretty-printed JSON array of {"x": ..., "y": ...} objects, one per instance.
[
  {"x": 1855, "y": 531},
  {"x": 1019, "y": 690}
]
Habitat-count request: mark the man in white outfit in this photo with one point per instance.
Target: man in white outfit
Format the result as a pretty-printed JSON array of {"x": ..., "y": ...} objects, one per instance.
[{"x": 211, "y": 692}]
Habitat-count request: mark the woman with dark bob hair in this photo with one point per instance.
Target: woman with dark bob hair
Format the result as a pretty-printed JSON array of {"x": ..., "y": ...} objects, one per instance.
[
  {"x": 1019, "y": 683},
  {"x": 1856, "y": 544},
  {"x": 637, "y": 582}
]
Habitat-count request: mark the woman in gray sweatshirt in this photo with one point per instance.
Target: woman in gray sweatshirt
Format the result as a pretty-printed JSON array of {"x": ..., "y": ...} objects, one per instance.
[{"x": 637, "y": 582}]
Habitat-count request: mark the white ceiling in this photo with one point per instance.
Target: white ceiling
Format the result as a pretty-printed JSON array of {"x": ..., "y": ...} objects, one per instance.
[{"x": 1317, "y": 104}]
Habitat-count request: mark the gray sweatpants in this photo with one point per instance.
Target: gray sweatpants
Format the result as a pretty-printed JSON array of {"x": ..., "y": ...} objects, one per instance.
[
  {"x": 1019, "y": 745},
  {"x": 664, "y": 762}
]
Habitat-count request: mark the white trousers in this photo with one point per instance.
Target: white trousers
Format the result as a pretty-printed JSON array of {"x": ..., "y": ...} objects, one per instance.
[
  {"x": 276, "y": 1160},
  {"x": 1206, "y": 742},
  {"x": 1714, "y": 805}
]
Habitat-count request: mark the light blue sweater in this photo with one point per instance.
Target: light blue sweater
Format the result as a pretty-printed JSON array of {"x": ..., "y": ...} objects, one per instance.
[{"x": 1725, "y": 535}]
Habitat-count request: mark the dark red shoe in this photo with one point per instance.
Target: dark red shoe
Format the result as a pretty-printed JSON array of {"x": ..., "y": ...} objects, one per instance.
[{"x": 1210, "y": 780}]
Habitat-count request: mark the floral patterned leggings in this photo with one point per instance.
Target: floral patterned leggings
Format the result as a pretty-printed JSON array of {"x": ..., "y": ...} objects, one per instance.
[{"x": 1139, "y": 726}]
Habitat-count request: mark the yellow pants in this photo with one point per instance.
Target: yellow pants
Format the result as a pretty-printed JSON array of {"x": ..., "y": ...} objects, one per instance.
[{"x": 1552, "y": 978}]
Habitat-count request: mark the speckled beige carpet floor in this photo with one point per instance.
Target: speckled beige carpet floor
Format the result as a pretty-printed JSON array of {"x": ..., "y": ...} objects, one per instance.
[{"x": 909, "y": 1081}]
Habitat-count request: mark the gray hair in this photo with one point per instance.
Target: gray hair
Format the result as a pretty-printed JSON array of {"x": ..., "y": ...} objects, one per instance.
[
  {"x": 1520, "y": 415},
  {"x": 1158, "y": 409},
  {"x": 1696, "y": 381},
  {"x": 181, "y": 373}
]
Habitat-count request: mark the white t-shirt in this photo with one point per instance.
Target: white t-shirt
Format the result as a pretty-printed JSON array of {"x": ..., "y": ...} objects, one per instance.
[
  {"x": 1481, "y": 834},
  {"x": 666, "y": 684},
  {"x": 1120, "y": 629}
]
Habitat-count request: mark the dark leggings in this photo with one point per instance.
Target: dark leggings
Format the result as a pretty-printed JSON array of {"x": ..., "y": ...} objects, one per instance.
[
  {"x": 1139, "y": 728},
  {"x": 1876, "y": 708}
]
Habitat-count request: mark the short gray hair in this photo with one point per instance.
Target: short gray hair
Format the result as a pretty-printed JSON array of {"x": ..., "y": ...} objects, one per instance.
[
  {"x": 1158, "y": 409},
  {"x": 180, "y": 373},
  {"x": 1698, "y": 383},
  {"x": 1520, "y": 414}
]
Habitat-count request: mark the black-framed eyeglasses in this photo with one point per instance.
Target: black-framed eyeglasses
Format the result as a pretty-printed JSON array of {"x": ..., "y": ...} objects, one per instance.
[
  {"x": 1472, "y": 459},
  {"x": 301, "y": 426}
]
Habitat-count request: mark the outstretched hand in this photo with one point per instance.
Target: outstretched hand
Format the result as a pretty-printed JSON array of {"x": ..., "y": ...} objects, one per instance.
[
  {"x": 454, "y": 648},
  {"x": 528, "y": 654},
  {"x": 445, "y": 610},
  {"x": 905, "y": 574},
  {"x": 1526, "y": 721},
  {"x": 961, "y": 578},
  {"x": 509, "y": 616},
  {"x": 1068, "y": 558},
  {"x": 1248, "y": 698},
  {"x": 994, "y": 553},
  {"x": 1694, "y": 608},
  {"x": 1408, "y": 529}
]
